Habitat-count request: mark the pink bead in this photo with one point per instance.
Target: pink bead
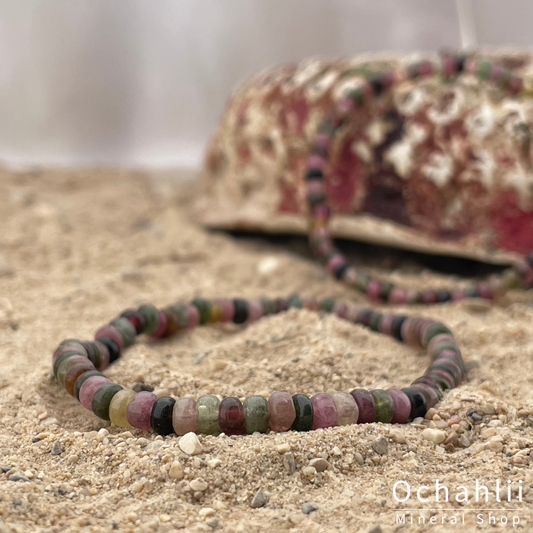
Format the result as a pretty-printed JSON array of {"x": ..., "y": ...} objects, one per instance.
[
  {"x": 194, "y": 317},
  {"x": 69, "y": 348},
  {"x": 397, "y": 296},
  {"x": 388, "y": 79},
  {"x": 340, "y": 309},
  {"x": 372, "y": 290},
  {"x": 495, "y": 73},
  {"x": 425, "y": 68},
  {"x": 255, "y": 310},
  {"x": 112, "y": 333},
  {"x": 162, "y": 326},
  {"x": 321, "y": 211},
  {"x": 89, "y": 387},
  {"x": 334, "y": 262},
  {"x": 346, "y": 106},
  {"x": 429, "y": 297},
  {"x": 458, "y": 295},
  {"x": 443, "y": 337},
  {"x": 385, "y": 324},
  {"x": 484, "y": 290},
  {"x": 515, "y": 85},
  {"x": 448, "y": 66},
  {"x": 316, "y": 161},
  {"x": 315, "y": 187},
  {"x": 184, "y": 416},
  {"x": 324, "y": 411},
  {"x": 323, "y": 140},
  {"x": 228, "y": 310},
  {"x": 139, "y": 410},
  {"x": 281, "y": 412},
  {"x": 367, "y": 90},
  {"x": 401, "y": 406}
]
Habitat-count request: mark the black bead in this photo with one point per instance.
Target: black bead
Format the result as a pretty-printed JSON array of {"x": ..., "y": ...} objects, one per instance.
[
  {"x": 314, "y": 174},
  {"x": 418, "y": 403},
  {"x": 384, "y": 289},
  {"x": 161, "y": 417},
  {"x": 304, "y": 413},
  {"x": 82, "y": 379},
  {"x": 376, "y": 82},
  {"x": 339, "y": 270},
  {"x": 241, "y": 311},
  {"x": 396, "y": 326},
  {"x": 281, "y": 305},
  {"x": 364, "y": 317},
  {"x": 112, "y": 346},
  {"x": 443, "y": 296},
  {"x": 460, "y": 63}
]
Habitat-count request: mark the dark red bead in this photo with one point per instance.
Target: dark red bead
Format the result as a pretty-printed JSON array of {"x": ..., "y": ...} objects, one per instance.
[{"x": 231, "y": 416}]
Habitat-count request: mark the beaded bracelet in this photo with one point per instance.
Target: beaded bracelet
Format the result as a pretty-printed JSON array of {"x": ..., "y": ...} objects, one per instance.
[
  {"x": 77, "y": 365},
  {"x": 518, "y": 276}
]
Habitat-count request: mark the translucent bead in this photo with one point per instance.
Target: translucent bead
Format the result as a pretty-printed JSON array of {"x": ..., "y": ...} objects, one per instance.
[
  {"x": 207, "y": 414},
  {"x": 119, "y": 406},
  {"x": 324, "y": 411},
  {"x": 88, "y": 389},
  {"x": 139, "y": 410},
  {"x": 184, "y": 416},
  {"x": 383, "y": 405},
  {"x": 365, "y": 404},
  {"x": 347, "y": 410},
  {"x": 231, "y": 416},
  {"x": 74, "y": 372},
  {"x": 281, "y": 413},
  {"x": 102, "y": 399},
  {"x": 255, "y": 410},
  {"x": 401, "y": 406},
  {"x": 304, "y": 413},
  {"x": 161, "y": 417}
]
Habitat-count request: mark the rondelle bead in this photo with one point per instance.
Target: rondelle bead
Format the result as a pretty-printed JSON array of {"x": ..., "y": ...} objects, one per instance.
[
  {"x": 82, "y": 379},
  {"x": 204, "y": 308},
  {"x": 172, "y": 322},
  {"x": 324, "y": 411},
  {"x": 240, "y": 314},
  {"x": 74, "y": 372},
  {"x": 112, "y": 348},
  {"x": 207, "y": 414},
  {"x": 401, "y": 406},
  {"x": 162, "y": 326},
  {"x": 181, "y": 314},
  {"x": 151, "y": 318},
  {"x": 139, "y": 410},
  {"x": 136, "y": 318},
  {"x": 104, "y": 358},
  {"x": 119, "y": 406},
  {"x": 161, "y": 417},
  {"x": 383, "y": 405},
  {"x": 126, "y": 329},
  {"x": 347, "y": 410},
  {"x": 67, "y": 364},
  {"x": 62, "y": 357},
  {"x": 184, "y": 416},
  {"x": 102, "y": 398},
  {"x": 70, "y": 345},
  {"x": 231, "y": 416},
  {"x": 429, "y": 393},
  {"x": 88, "y": 389},
  {"x": 255, "y": 410},
  {"x": 111, "y": 332},
  {"x": 365, "y": 404},
  {"x": 281, "y": 413},
  {"x": 418, "y": 403},
  {"x": 303, "y": 408}
]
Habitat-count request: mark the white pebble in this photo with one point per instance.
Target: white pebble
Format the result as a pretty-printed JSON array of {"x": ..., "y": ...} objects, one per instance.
[
  {"x": 336, "y": 451},
  {"x": 397, "y": 436},
  {"x": 436, "y": 436},
  {"x": 309, "y": 471},
  {"x": 206, "y": 511},
  {"x": 176, "y": 470},
  {"x": 198, "y": 484},
  {"x": 284, "y": 448},
  {"x": 268, "y": 265},
  {"x": 190, "y": 444}
]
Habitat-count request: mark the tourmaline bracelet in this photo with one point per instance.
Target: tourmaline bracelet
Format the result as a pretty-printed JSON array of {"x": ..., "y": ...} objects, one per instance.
[
  {"x": 78, "y": 366},
  {"x": 518, "y": 276}
]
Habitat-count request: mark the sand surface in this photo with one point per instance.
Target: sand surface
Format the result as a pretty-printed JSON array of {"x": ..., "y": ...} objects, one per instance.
[{"x": 79, "y": 247}]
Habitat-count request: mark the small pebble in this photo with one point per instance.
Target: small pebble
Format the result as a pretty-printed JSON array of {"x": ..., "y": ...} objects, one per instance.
[
  {"x": 309, "y": 471},
  {"x": 336, "y": 451},
  {"x": 397, "y": 436},
  {"x": 380, "y": 446},
  {"x": 190, "y": 444},
  {"x": 359, "y": 459},
  {"x": 206, "y": 511},
  {"x": 319, "y": 464},
  {"x": 289, "y": 463},
  {"x": 176, "y": 470},
  {"x": 284, "y": 448},
  {"x": 259, "y": 500},
  {"x": 5, "y": 468},
  {"x": 198, "y": 484},
  {"x": 56, "y": 449},
  {"x": 308, "y": 508},
  {"x": 18, "y": 477},
  {"x": 436, "y": 436}
]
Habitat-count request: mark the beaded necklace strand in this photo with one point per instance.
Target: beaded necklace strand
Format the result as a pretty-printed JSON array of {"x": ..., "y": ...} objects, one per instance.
[
  {"x": 77, "y": 365},
  {"x": 518, "y": 276}
]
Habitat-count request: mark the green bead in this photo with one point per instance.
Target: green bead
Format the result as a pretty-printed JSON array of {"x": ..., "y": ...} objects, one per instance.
[
  {"x": 207, "y": 414},
  {"x": 255, "y": 414},
  {"x": 102, "y": 398},
  {"x": 268, "y": 305},
  {"x": 294, "y": 301},
  {"x": 326, "y": 304},
  {"x": 304, "y": 413},
  {"x": 447, "y": 369},
  {"x": 433, "y": 331},
  {"x": 204, "y": 309},
  {"x": 61, "y": 358},
  {"x": 383, "y": 405},
  {"x": 483, "y": 70},
  {"x": 151, "y": 317},
  {"x": 181, "y": 313},
  {"x": 126, "y": 329},
  {"x": 361, "y": 281},
  {"x": 357, "y": 96},
  {"x": 373, "y": 323}
]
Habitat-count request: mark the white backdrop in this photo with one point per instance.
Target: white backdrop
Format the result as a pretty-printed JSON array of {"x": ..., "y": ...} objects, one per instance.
[{"x": 141, "y": 82}]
